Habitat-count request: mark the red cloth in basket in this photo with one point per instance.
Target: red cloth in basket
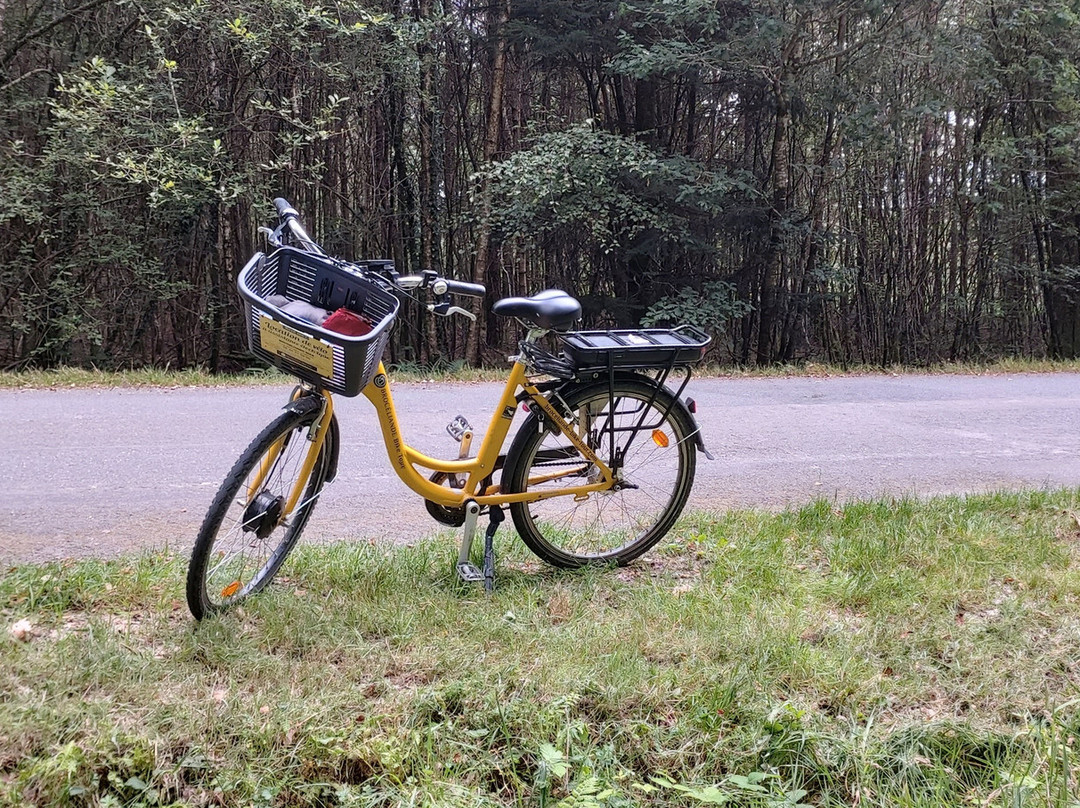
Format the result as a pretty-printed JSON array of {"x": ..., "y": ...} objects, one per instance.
[{"x": 348, "y": 323}]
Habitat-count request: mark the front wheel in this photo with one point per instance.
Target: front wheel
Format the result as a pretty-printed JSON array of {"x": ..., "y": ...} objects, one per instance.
[
  {"x": 245, "y": 536},
  {"x": 643, "y": 434}
]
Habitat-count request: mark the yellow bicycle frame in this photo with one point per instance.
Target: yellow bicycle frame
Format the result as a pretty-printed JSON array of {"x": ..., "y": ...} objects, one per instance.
[{"x": 405, "y": 459}]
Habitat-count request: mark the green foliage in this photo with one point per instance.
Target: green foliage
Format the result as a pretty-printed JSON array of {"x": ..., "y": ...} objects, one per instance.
[
  {"x": 115, "y": 134},
  {"x": 559, "y": 32},
  {"x": 710, "y": 308},
  {"x": 931, "y": 152},
  {"x": 635, "y": 217},
  {"x": 664, "y": 39},
  {"x": 755, "y": 788},
  {"x": 606, "y": 188},
  {"x": 129, "y": 193},
  {"x": 158, "y": 150}
]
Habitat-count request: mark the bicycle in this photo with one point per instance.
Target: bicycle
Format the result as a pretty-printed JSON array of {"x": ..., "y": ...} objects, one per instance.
[{"x": 598, "y": 471}]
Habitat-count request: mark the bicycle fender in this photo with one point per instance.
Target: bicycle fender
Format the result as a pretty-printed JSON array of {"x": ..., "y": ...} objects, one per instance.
[
  {"x": 698, "y": 440},
  {"x": 333, "y": 445},
  {"x": 304, "y": 404},
  {"x": 513, "y": 454},
  {"x": 309, "y": 404}
]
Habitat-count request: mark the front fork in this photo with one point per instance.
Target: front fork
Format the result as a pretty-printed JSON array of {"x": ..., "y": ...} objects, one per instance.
[{"x": 317, "y": 433}]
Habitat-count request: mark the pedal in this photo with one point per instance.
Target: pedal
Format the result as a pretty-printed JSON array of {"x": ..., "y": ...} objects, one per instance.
[
  {"x": 469, "y": 572},
  {"x": 458, "y": 427}
]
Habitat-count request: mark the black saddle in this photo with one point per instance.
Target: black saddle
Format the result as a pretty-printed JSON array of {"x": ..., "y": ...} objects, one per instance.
[{"x": 552, "y": 309}]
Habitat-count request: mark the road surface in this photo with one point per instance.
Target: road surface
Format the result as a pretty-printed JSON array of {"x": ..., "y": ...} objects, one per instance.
[{"x": 97, "y": 472}]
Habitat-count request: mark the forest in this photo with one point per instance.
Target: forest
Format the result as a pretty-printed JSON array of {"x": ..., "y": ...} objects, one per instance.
[{"x": 853, "y": 182}]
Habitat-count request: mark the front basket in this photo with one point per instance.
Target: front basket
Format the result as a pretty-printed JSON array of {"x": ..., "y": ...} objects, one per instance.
[{"x": 337, "y": 362}]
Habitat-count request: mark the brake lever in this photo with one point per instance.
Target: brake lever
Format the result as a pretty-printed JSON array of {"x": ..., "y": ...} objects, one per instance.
[
  {"x": 461, "y": 311},
  {"x": 272, "y": 236},
  {"x": 445, "y": 310}
]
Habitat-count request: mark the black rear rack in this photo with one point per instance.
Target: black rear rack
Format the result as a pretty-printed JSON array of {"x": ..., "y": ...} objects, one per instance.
[{"x": 635, "y": 349}]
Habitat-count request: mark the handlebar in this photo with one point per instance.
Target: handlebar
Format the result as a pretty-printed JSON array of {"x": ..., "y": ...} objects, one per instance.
[
  {"x": 463, "y": 288},
  {"x": 290, "y": 222},
  {"x": 285, "y": 210},
  {"x": 440, "y": 285},
  {"x": 289, "y": 225}
]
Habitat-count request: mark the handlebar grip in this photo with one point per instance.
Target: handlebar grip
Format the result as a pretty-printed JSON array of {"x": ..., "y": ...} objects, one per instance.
[
  {"x": 285, "y": 210},
  {"x": 462, "y": 288}
]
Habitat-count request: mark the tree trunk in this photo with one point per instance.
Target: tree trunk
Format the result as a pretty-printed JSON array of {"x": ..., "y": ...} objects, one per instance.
[
  {"x": 772, "y": 266},
  {"x": 1062, "y": 292},
  {"x": 430, "y": 171},
  {"x": 497, "y": 30}
]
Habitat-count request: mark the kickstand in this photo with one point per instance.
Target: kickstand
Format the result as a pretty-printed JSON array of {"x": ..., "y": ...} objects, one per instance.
[{"x": 497, "y": 517}]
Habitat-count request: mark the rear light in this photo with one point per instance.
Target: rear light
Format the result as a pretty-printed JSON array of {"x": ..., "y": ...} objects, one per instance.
[{"x": 691, "y": 405}]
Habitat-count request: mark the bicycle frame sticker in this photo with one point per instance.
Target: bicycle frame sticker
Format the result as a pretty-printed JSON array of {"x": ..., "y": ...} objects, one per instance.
[{"x": 289, "y": 343}]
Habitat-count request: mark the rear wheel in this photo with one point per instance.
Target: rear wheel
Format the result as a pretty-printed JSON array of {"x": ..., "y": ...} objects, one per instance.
[
  {"x": 244, "y": 539},
  {"x": 644, "y": 435}
]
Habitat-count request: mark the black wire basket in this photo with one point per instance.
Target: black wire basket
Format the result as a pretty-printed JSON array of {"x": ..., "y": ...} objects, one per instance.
[{"x": 327, "y": 359}]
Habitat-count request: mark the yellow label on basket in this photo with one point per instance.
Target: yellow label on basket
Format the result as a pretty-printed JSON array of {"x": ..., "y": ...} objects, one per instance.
[{"x": 296, "y": 346}]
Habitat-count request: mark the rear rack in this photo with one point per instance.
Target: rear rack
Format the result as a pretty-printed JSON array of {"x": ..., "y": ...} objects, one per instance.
[{"x": 635, "y": 349}]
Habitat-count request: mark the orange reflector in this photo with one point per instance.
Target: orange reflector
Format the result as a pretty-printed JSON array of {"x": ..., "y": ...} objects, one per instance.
[
  {"x": 660, "y": 439},
  {"x": 230, "y": 590}
]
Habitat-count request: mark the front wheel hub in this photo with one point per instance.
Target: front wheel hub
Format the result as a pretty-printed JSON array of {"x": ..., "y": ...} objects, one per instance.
[{"x": 263, "y": 514}]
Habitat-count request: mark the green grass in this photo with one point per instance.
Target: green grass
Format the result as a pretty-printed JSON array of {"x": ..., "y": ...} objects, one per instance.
[
  {"x": 456, "y": 371},
  {"x": 898, "y": 653}
]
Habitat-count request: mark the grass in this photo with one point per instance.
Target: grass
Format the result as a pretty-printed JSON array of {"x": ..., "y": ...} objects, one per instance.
[
  {"x": 162, "y": 377},
  {"x": 990, "y": 367},
  {"x": 65, "y": 377},
  {"x": 897, "y": 652},
  {"x": 456, "y": 371}
]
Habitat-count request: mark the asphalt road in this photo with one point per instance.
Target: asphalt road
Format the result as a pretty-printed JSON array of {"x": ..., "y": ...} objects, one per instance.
[{"x": 96, "y": 473}]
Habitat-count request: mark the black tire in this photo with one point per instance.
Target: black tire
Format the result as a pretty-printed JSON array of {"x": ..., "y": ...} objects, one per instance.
[
  {"x": 231, "y": 561},
  {"x": 613, "y": 526}
]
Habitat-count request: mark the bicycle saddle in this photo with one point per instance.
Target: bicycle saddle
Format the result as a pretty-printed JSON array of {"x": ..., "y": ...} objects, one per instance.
[{"x": 552, "y": 309}]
